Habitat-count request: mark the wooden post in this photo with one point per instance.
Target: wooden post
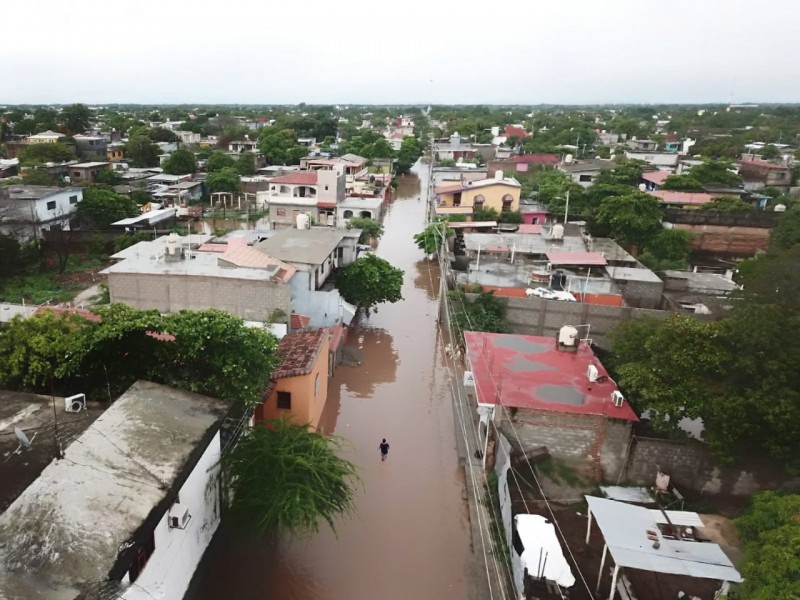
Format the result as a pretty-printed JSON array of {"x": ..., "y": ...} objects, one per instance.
[
  {"x": 614, "y": 583},
  {"x": 600, "y": 572}
]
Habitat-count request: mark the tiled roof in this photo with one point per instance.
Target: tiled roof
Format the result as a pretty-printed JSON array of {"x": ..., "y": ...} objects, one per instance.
[
  {"x": 672, "y": 197},
  {"x": 298, "y": 352},
  {"x": 249, "y": 258},
  {"x": 299, "y": 321},
  {"x": 536, "y": 159},
  {"x": 576, "y": 258},
  {"x": 298, "y": 178},
  {"x": 656, "y": 177},
  {"x": 458, "y": 187}
]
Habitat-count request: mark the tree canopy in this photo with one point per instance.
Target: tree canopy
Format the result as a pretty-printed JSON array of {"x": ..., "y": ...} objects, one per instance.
[
  {"x": 39, "y": 154},
  {"x": 410, "y": 151},
  {"x": 668, "y": 249},
  {"x": 430, "y": 239},
  {"x": 76, "y": 118},
  {"x": 727, "y": 204},
  {"x": 286, "y": 478},
  {"x": 180, "y": 162},
  {"x": 715, "y": 173},
  {"x": 101, "y": 206},
  {"x": 632, "y": 219},
  {"x": 485, "y": 312},
  {"x": 246, "y": 164},
  {"x": 225, "y": 180},
  {"x": 786, "y": 233},
  {"x": 219, "y": 160},
  {"x": 370, "y": 229},
  {"x": 141, "y": 150},
  {"x": 280, "y": 147},
  {"x": 370, "y": 280}
]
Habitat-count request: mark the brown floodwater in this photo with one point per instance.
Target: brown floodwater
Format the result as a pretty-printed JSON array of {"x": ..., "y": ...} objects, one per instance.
[{"x": 410, "y": 535}]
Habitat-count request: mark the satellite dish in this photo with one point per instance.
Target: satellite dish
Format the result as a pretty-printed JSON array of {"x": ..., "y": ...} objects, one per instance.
[{"x": 23, "y": 439}]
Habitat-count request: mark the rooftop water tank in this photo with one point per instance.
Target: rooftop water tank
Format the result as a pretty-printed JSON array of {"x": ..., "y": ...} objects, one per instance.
[{"x": 302, "y": 221}]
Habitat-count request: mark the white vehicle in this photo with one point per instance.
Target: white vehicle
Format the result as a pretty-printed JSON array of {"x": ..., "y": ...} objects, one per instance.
[{"x": 549, "y": 294}]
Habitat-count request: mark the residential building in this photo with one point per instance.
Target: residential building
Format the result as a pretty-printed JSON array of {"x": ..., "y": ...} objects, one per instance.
[
  {"x": 86, "y": 172},
  {"x": 661, "y": 160},
  {"x": 188, "y": 137},
  {"x": 356, "y": 206},
  {"x": 145, "y": 518},
  {"x": 174, "y": 273},
  {"x": 28, "y": 210},
  {"x": 760, "y": 173},
  {"x": 652, "y": 180},
  {"x": 498, "y": 193},
  {"x": 317, "y": 251},
  {"x": 351, "y": 165},
  {"x": 550, "y": 392},
  {"x": 517, "y": 131},
  {"x": 246, "y": 145},
  {"x": 46, "y": 137},
  {"x": 608, "y": 138},
  {"x": 453, "y": 149},
  {"x": 524, "y": 163},
  {"x": 91, "y": 147},
  {"x": 115, "y": 152},
  {"x": 585, "y": 172},
  {"x": 642, "y": 145},
  {"x": 313, "y": 193},
  {"x": 299, "y": 388}
]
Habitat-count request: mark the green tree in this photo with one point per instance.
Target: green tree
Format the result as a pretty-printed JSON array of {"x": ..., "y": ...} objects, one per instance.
[
  {"x": 786, "y": 234},
  {"x": 370, "y": 280},
  {"x": 219, "y": 160},
  {"x": 180, "y": 162},
  {"x": 161, "y": 134},
  {"x": 727, "y": 204},
  {"x": 715, "y": 173},
  {"x": 39, "y": 177},
  {"x": 39, "y": 154},
  {"x": 225, "y": 180},
  {"x": 770, "y": 152},
  {"x": 410, "y": 151},
  {"x": 770, "y": 532},
  {"x": 628, "y": 173},
  {"x": 370, "y": 229},
  {"x": 718, "y": 148},
  {"x": 280, "y": 147},
  {"x": 108, "y": 177},
  {"x": 633, "y": 219},
  {"x": 286, "y": 478},
  {"x": 77, "y": 118},
  {"x": 101, "y": 206},
  {"x": 484, "y": 312},
  {"x": 682, "y": 183},
  {"x": 668, "y": 249},
  {"x": 430, "y": 239},
  {"x": 141, "y": 150},
  {"x": 246, "y": 164}
]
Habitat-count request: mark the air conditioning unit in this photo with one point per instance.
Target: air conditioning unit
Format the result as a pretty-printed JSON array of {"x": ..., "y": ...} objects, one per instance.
[
  {"x": 179, "y": 516},
  {"x": 617, "y": 398},
  {"x": 75, "y": 403}
]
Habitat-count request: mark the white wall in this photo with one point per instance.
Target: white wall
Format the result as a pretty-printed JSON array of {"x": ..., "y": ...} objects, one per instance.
[
  {"x": 62, "y": 208},
  {"x": 178, "y": 551}
]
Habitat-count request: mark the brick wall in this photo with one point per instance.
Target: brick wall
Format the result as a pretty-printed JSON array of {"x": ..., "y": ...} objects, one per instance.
[
  {"x": 586, "y": 440},
  {"x": 250, "y": 300},
  {"x": 692, "y": 466}
]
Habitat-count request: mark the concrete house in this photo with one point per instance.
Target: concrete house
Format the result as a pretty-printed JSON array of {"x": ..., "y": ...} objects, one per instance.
[
  {"x": 300, "y": 382},
  {"x": 129, "y": 509},
  {"x": 585, "y": 172},
  {"x": 453, "y": 149},
  {"x": 466, "y": 197},
  {"x": 86, "y": 172},
  {"x": 172, "y": 274},
  {"x": 28, "y": 210},
  {"x": 760, "y": 173},
  {"x": 46, "y": 137},
  {"x": 550, "y": 392},
  {"x": 91, "y": 147},
  {"x": 655, "y": 158},
  {"x": 313, "y": 193}
]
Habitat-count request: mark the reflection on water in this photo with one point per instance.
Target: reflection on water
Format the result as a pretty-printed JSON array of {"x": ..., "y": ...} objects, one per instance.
[{"x": 427, "y": 277}]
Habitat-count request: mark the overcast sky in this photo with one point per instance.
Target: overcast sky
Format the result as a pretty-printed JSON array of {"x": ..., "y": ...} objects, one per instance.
[{"x": 411, "y": 51}]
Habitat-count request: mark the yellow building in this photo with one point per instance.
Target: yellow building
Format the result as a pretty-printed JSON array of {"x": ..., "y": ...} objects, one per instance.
[
  {"x": 114, "y": 152},
  {"x": 46, "y": 137},
  {"x": 468, "y": 197},
  {"x": 300, "y": 387}
]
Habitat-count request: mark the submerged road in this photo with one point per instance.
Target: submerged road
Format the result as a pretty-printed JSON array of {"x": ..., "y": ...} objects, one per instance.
[{"x": 410, "y": 536}]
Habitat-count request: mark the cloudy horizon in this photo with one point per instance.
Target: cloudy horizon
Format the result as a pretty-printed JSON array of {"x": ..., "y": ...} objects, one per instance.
[{"x": 617, "y": 52}]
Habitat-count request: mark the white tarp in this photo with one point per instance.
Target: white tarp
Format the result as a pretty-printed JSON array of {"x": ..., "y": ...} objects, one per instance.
[
  {"x": 625, "y": 529},
  {"x": 543, "y": 556}
]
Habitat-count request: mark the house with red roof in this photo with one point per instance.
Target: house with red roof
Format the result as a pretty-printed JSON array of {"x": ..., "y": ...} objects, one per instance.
[
  {"x": 550, "y": 392},
  {"x": 760, "y": 173},
  {"x": 313, "y": 193},
  {"x": 299, "y": 387}
]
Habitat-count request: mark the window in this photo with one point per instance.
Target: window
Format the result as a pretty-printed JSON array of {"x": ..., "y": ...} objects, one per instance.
[
  {"x": 73, "y": 199},
  {"x": 143, "y": 554},
  {"x": 457, "y": 199},
  {"x": 781, "y": 175},
  {"x": 280, "y": 212},
  {"x": 76, "y": 174},
  {"x": 508, "y": 200},
  {"x": 51, "y": 205},
  {"x": 316, "y": 386},
  {"x": 285, "y": 400},
  {"x": 326, "y": 188},
  {"x": 585, "y": 178},
  {"x": 477, "y": 203}
]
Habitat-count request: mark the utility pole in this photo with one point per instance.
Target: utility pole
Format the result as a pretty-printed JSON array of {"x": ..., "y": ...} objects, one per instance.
[{"x": 566, "y": 210}]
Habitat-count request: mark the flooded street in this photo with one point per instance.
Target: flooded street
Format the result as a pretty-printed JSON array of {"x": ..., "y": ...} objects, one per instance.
[{"x": 410, "y": 536}]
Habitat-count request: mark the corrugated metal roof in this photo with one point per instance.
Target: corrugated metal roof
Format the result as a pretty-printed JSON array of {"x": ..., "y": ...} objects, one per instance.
[
  {"x": 625, "y": 529},
  {"x": 576, "y": 258}
]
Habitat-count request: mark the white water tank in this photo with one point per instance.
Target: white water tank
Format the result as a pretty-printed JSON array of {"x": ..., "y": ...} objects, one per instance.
[
  {"x": 498, "y": 175},
  {"x": 302, "y": 221},
  {"x": 568, "y": 159},
  {"x": 173, "y": 244},
  {"x": 558, "y": 232},
  {"x": 568, "y": 336},
  {"x": 780, "y": 208}
]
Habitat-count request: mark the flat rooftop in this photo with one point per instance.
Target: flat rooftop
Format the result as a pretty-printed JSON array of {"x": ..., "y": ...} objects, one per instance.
[
  {"x": 35, "y": 192},
  {"x": 632, "y": 274},
  {"x": 304, "y": 246},
  {"x": 522, "y": 243},
  {"x": 529, "y": 372},
  {"x": 72, "y": 524},
  {"x": 703, "y": 283}
]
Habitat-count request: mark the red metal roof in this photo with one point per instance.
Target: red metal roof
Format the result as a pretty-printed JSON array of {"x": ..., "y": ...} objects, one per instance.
[
  {"x": 298, "y": 352},
  {"x": 326, "y": 204},
  {"x": 589, "y": 259},
  {"x": 671, "y": 197},
  {"x": 529, "y": 372},
  {"x": 763, "y": 163},
  {"x": 529, "y": 228},
  {"x": 298, "y": 178},
  {"x": 656, "y": 177},
  {"x": 537, "y": 159},
  {"x": 517, "y": 131}
]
